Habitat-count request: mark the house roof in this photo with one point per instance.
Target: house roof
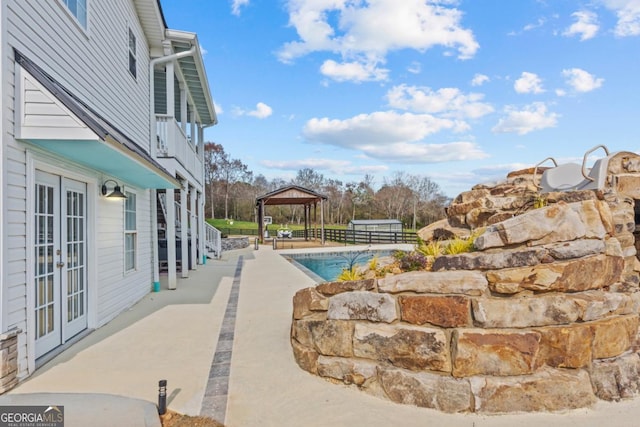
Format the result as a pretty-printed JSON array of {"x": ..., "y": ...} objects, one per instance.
[
  {"x": 192, "y": 68},
  {"x": 290, "y": 195},
  {"x": 152, "y": 21},
  {"x": 194, "y": 74}
]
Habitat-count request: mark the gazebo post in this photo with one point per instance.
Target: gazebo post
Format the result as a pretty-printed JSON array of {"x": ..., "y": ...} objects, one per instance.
[
  {"x": 261, "y": 221},
  {"x": 315, "y": 220},
  {"x": 322, "y": 222}
]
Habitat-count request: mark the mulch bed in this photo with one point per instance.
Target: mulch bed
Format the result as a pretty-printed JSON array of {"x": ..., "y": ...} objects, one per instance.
[{"x": 174, "y": 419}]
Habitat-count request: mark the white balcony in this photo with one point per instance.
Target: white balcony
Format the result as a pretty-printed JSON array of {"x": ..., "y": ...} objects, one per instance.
[{"x": 173, "y": 143}]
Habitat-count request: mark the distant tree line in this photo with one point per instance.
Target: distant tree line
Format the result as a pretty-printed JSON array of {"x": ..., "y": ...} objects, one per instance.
[{"x": 232, "y": 190}]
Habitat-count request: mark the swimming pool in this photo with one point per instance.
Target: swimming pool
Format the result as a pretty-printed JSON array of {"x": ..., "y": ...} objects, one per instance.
[{"x": 327, "y": 266}]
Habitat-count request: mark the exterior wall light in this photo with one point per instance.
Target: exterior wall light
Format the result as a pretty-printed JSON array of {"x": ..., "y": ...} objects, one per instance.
[{"x": 116, "y": 193}]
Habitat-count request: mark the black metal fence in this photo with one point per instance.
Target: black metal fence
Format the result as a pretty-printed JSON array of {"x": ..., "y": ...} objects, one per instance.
[
  {"x": 345, "y": 236},
  {"x": 339, "y": 235}
]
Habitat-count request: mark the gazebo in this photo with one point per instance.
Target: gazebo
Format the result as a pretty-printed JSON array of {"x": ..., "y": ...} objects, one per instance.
[{"x": 293, "y": 195}]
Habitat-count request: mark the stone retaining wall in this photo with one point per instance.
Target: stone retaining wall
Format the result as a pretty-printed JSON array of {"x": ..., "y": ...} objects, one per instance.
[
  {"x": 231, "y": 243},
  {"x": 542, "y": 317},
  {"x": 8, "y": 360}
]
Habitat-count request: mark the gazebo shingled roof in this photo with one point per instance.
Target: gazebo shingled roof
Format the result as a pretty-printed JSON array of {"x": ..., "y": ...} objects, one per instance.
[{"x": 291, "y": 195}]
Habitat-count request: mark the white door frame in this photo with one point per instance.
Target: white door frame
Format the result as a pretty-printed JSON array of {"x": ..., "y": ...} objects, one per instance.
[
  {"x": 48, "y": 256},
  {"x": 60, "y": 282},
  {"x": 38, "y": 160}
]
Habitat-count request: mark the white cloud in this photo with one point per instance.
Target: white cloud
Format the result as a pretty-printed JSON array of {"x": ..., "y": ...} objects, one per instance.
[
  {"x": 391, "y": 137},
  {"x": 378, "y": 128},
  {"x": 628, "y": 13},
  {"x": 450, "y": 102},
  {"x": 414, "y": 68},
  {"x": 586, "y": 25},
  {"x": 539, "y": 23},
  {"x": 404, "y": 152},
  {"x": 529, "y": 27},
  {"x": 528, "y": 83},
  {"x": 479, "y": 80},
  {"x": 366, "y": 31},
  {"x": 337, "y": 167},
  {"x": 353, "y": 71},
  {"x": 218, "y": 108},
  {"x": 236, "y": 5},
  {"x": 533, "y": 117},
  {"x": 262, "y": 111},
  {"x": 581, "y": 81}
]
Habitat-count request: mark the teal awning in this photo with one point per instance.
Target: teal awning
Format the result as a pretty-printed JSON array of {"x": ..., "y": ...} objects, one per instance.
[{"x": 109, "y": 158}]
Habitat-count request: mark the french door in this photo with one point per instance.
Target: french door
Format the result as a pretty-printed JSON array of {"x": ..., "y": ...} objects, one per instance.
[{"x": 60, "y": 279}]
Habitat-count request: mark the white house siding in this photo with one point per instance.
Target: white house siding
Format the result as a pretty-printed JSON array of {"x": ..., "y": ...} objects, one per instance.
[
  {"x": 94, "y": 66},
  {"x": 92, "y": 63},
  {"x": 14, "y": 218},
  {"x": 118, "y": 290}
]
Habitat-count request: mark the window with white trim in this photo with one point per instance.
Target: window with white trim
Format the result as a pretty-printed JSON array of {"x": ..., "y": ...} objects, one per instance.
[
  {"x": 132, "y": 54},
  {"x": 78, "y": 8},
  {"x": 130, "y": 232}
]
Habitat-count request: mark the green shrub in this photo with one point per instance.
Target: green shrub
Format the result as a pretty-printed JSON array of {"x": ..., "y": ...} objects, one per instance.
[
  {"x": 373, "y": 263},
  {"x": 539, "y": 201},
  {"x": 459, "y": 246},
  {"x": 347, "y": 274},
  {"x": 433, "y": 248}
]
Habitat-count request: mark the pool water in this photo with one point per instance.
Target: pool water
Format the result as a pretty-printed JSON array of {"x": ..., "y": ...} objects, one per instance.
[{"x": 329, "y": 265}]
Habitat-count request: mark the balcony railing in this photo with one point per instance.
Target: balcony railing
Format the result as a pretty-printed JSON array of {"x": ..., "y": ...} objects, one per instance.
[
  {"x": 213, "y": 240},
  {"x": 172, "y": 142}
]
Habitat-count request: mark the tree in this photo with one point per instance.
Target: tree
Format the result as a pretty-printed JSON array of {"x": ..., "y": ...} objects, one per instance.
[
  {"x": 309, "y": 179},
  {"x": 232, "y": 189},
  {"x": 222, "y": 172},
  {"x": 427, "y": 198},
  {"x": 361, "y": 195},
  {"x": 334, "y": 190},
  {"x": 394, "y": 196},
  {"x": 213, "y": 154}
]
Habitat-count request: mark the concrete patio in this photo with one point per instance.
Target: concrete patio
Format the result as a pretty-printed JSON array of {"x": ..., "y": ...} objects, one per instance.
[{"x": 221, "y": 340}]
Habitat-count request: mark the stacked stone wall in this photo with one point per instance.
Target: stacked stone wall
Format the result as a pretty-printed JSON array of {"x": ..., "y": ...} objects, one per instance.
[
  {"x": 543, "y": 316},
  {"x": 232, "y": 243},
  {"x": 8, "y": 360}
]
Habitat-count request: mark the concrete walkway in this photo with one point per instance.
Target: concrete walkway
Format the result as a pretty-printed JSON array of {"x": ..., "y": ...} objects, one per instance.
[{"x": 227, "y": 354}]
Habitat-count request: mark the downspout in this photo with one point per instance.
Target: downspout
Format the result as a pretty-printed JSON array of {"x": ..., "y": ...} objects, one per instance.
[{"x": 154, "y": 147}]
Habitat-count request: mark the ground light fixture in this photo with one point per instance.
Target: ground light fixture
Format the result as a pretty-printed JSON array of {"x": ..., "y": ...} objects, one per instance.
[
  {"x": 162, "y": 397},
  {"x": 116, "y": 193}
]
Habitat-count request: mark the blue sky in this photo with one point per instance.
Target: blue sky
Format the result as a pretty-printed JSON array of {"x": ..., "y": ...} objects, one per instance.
[{"x": 461, "y": 91}]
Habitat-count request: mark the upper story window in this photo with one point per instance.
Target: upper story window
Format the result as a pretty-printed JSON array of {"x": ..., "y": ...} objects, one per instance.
[
  {"x": 132, "y": 54},
  {"x": 78, "y": 8}
]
